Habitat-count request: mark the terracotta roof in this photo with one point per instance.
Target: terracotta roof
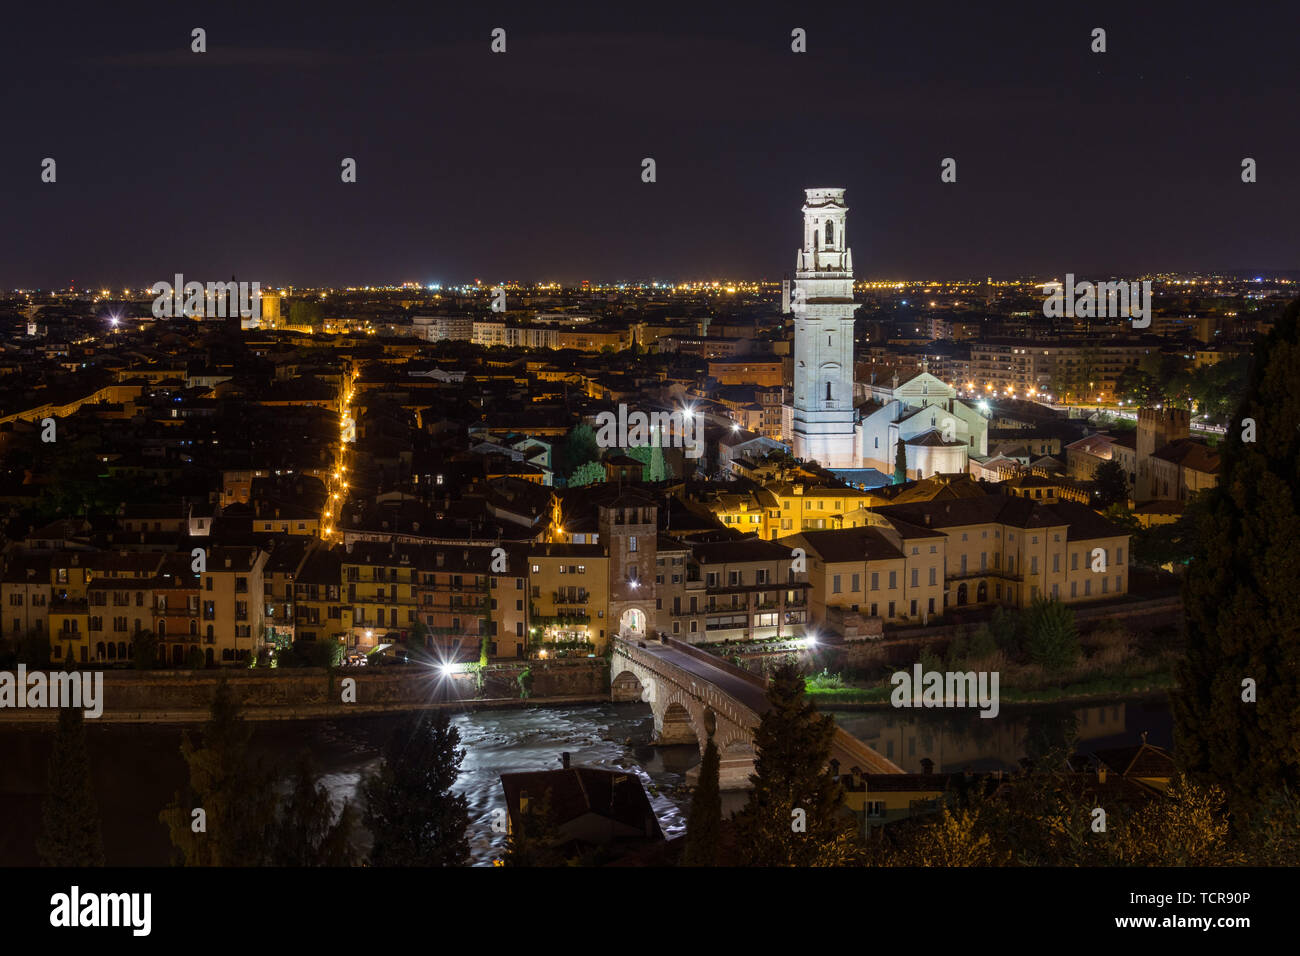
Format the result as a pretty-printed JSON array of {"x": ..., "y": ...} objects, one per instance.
[
  {"x": 1191, "y": 454},
  {"x": 1142, "y": 760},
  {"x": 849, "y": 544},
  {"x": 575, "y": 791}
]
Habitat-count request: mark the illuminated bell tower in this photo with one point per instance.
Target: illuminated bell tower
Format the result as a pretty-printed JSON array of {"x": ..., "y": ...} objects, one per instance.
[{"x": 824, "y": 417}]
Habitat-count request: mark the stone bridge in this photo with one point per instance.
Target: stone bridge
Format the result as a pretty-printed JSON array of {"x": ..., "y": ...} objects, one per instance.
[{"x": 694, "y": 695}]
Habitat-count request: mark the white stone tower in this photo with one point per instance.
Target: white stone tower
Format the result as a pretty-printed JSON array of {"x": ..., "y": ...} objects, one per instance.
[{"x": 823, "y": 307}]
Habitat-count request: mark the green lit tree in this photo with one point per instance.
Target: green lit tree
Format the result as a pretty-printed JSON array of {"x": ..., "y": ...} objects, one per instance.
[
  {"x": 704, "y": 824},
  {"x": 70, "y": 828},
  {"x": 589, "y": 473},
  {"x": 578, "y": 447},
  {"x": 1236, "y": 720},
  {"x": 410, "y": 809},
  {"x": 1051, "y": 638}
]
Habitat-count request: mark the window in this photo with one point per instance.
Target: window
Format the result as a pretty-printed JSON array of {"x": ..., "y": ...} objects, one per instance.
[
  {"x": 835, "y": 584},
  {"x": 1119, "y": 555},
  {"x": 857, "y": 583},
  {"x": 916, "y": 578},
  {"x": 893, "y": 583},
  {"x": 933, "y": 582},
  {"x": 875, "y": 580},
  {"x": 632, "y": 543},
  {"x": 1056, "y": 563}
]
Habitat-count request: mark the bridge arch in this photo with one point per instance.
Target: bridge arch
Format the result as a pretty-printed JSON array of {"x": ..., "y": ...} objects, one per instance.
[{"x": 627, "y": 686}]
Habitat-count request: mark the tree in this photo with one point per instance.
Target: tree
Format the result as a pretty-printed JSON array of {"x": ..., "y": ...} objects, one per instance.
[
  {"x": 1236, "y": 722},
  {"x": 145, "y": 651},
  {"x": 704, "y": 824},
  {"x": 652, "y": 457},
  {"x": 952, "y": 837},
  {"x": 1112, "y": 484},
  {"x": 794, "y": 815},
  {"x": 410, "y": 809},
  {"x": 1051, "y": 638},
  {"x": 33, "y": 649},
  {"x": 1185, "y": 827},
  {"x": 589, "y": 473},
  {"x": 1007, "y": 627},
  {"x": 307, "y": 833},
  {"x": 70, "y": 828},
  {"x": 579, "y": 446},
  {"x": 236, "y": 795},
  {"x": 900, "y": 462}
]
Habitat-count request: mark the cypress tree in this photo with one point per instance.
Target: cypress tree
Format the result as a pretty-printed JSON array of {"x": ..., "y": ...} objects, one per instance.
[
  {"x": 793, "y": 744},
  {"x": 306, "y": 833},
  {"x": 70, "y": 828},
  {"x": 411, "y": 811},
  {"x": 704, "y": 823},
  {"x": 900, "y": 462},
  {"x": 1241, "y": 602},
  {"x": 236, "y": 795}
]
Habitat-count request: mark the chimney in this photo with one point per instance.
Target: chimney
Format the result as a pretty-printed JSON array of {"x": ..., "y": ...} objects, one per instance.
[{"x": 564, "y": 759}]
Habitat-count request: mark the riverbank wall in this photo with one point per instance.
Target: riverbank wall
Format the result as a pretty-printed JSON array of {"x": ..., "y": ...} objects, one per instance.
[{"x": 185, "y": 696}]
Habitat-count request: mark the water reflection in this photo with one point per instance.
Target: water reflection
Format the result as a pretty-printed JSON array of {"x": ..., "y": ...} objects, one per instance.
[{"x": 960, "y": 739}]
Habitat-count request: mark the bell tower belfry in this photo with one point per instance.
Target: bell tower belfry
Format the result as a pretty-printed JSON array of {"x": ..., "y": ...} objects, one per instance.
[{"x": 823, "y": 307}]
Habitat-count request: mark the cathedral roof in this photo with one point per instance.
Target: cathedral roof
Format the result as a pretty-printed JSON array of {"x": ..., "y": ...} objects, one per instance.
[{"x": 933, "y": 439}]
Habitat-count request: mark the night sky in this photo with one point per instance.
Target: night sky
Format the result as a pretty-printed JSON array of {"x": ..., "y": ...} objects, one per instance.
[{"x": 527, "y": 165}]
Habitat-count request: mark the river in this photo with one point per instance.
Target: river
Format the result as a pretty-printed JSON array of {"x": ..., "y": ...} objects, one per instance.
[{"x": 137, "y": 770}]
